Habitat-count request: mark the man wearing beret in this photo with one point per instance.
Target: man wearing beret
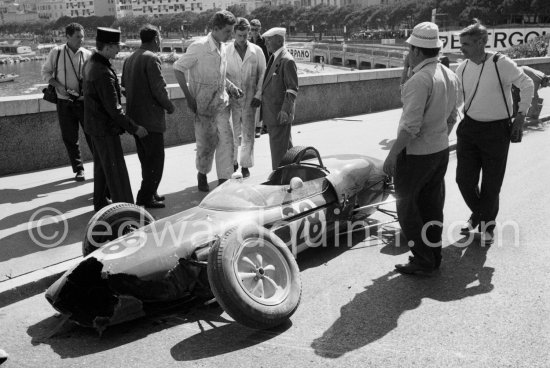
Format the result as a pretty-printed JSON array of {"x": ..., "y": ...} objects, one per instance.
[
  {"x": 105, "y": 120},
  {"x": 280, "y": 88},
  {"x": 204, "y": 66}
]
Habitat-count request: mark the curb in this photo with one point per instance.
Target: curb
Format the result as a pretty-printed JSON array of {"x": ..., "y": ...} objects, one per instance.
[{"x": 32, "y": 283}]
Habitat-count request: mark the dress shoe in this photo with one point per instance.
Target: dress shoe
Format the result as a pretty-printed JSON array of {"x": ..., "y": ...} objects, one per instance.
[
  {"x": 471, "y": 225},
  {"x": 80, "y": 176},
  {"x": 246, "y": 172},
  {"x": 436, "y": 265},
  {"x": 487, "y": 238},
  {"x": 152, "y": 204},
  {"x": 414, "y": 269},
  {"x": 203, "y": 182},
  {"x": 3, "y": 356},
  {"x": 158, "y": 197},
  {"x": 221, "y": 181}
]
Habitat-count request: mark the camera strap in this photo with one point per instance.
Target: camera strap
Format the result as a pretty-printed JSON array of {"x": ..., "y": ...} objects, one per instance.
[
  {"x": 77, "y": 74},
  {"x": 475, "y": 90},
  {"x": 495, "y": 59}
]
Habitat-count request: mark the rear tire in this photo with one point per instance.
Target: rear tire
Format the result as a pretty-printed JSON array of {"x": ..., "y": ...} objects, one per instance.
[
  {"x": 254, "y": 277},
  {"x": 112, "y": 222}
]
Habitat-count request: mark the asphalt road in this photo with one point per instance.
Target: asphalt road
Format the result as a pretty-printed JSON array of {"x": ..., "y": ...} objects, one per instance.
[{"x": 488, "y": 307}]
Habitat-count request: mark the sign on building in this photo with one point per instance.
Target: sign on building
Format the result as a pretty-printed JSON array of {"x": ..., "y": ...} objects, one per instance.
[
  {"x": 300, "y": 54},
  {"x": 499, "y": 39}
]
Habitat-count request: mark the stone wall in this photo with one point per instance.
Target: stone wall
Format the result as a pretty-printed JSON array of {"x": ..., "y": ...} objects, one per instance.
[{"x": 30, "y": 137}]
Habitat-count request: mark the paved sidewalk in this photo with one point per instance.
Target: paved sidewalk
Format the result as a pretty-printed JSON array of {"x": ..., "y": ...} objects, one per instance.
[{"x": 43, "y": 214}]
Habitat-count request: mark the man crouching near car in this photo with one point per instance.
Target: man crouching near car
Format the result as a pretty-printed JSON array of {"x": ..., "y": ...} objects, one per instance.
[{"x": 419, "y": 157}]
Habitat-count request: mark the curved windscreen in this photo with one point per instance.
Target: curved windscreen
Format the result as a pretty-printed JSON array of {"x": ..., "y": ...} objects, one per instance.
[{"x": 235, "y": 195}]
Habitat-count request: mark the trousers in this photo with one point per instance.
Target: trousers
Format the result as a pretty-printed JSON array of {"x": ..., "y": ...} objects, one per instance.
[
  {"x": 280, "y": 141},
  {"x": 214, "y": 136},
  {"x": 110, "y": 172},
  {"x": 482, "y": 147},
  {"x": 420, "y": 188},
  {"x": 71, "y": 116},
  {"x": 244, "y": 130},
  {"x": 150, "y": 150}
]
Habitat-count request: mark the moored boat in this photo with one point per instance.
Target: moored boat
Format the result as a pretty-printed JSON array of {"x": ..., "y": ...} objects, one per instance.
[{"x": 8, "y": 77}]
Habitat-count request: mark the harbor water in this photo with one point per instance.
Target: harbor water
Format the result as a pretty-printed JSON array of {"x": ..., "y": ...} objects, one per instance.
[{"x": 30, "y": 81}]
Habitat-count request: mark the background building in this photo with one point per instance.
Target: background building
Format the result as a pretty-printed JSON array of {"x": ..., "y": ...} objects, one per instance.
[{"x": 12, "y": 12}]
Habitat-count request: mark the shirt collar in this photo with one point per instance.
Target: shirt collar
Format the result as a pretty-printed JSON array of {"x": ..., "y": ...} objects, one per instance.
[
  {"x": 424, "y": 63},
  {"x": 245, "y": 45},
  {"x": 102, "y": 59},
  {"x": 213, "y": 43},
  {"x": 276, "y": 53},
  {"x": 148, "y": 47},
  {"x": 80, "y": 49}
]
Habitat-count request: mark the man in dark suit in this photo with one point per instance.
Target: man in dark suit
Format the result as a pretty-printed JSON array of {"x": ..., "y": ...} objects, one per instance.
[
  {"x": 280, "y": 89},
  {"x": 104, "y": 121},
  {"x": 257, "y": 39},
  {"x": 146, "y": 101}
]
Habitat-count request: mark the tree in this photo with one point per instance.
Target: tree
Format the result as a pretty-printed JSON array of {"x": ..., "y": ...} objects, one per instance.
[
  {"x": 237, "y": 10},
  {"x": 202, "y": 22}
]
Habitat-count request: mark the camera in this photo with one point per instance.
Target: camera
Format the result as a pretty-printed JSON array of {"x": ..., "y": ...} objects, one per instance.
[{"x": 73, "y": 95}]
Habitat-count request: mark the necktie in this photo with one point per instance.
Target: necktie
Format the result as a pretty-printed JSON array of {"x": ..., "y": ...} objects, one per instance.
[{"x": 269, "y": 63}]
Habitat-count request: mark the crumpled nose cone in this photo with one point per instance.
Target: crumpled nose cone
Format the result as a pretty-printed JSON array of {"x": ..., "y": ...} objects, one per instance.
[{"x": 87, "y": 298}]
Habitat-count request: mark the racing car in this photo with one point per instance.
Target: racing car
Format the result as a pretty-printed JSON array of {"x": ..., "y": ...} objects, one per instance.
[{"x": 239, "y": 245}]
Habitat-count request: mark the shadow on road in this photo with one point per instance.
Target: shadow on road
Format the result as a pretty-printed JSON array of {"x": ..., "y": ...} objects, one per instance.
[
  {"x": 222, "y": 340},
  {"x": 25, "y": 195},
  {"x": 386, "y": 144},
  {"x": 21, "y": 243},
  {"x": 70, "y": 340},
  {"x": 375, "y": 312}
]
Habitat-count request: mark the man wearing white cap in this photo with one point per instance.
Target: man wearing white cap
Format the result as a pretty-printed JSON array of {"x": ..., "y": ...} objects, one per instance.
[
  {"x": 280, "y": 89},
  {"x": 419, "y": 157}
]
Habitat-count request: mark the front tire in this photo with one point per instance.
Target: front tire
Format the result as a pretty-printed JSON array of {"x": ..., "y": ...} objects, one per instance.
[
  {"x": 111, "y": 222},
  {"x": 254, "y": 277}
]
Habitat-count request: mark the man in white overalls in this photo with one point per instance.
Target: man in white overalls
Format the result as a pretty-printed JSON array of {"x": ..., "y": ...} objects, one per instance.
[
  {"x": 205, "y": 63},
  {"x": 245, "y": 68}
]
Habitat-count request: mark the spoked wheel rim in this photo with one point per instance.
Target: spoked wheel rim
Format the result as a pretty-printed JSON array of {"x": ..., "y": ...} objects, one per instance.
[{"x": 262, "y": 271}]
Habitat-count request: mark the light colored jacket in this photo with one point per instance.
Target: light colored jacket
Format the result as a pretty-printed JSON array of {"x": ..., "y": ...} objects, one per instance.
[
  {"x": 205, "y": 67},
  {"x": 65, "y": 74},
  {"x": 247, "y": 73}
]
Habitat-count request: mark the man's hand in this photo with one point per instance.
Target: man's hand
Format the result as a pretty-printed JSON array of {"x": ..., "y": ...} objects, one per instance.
[
  {"x": 517, "y": 129},
  {"x": 171, "y": 109},
  {"x": 141, "y": 131},
  {"x": 283, "y": 118},
  {"x": 62, "y": 91},
  {"x": 192, "y": 104},
  {"x": 255, "y": 102},
  {"x": 389, "y": 164},
  {"x": 236, "y": 93}
]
